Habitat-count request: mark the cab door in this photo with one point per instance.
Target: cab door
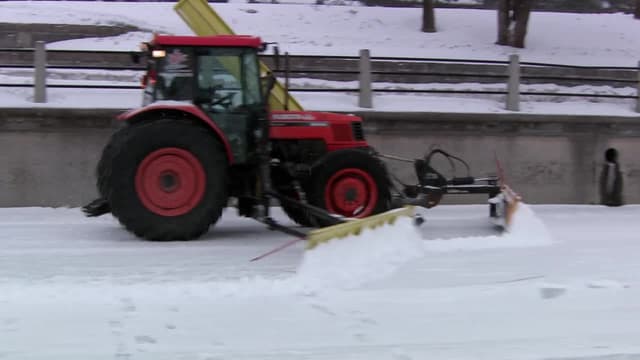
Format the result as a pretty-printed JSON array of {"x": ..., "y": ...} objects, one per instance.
[{"x": 228, "y": 89}]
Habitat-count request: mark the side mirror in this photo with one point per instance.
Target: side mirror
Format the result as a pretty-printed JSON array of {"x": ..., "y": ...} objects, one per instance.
[
  {"x": 276, "y": 57},
  {"x": 269, "y": 83}
]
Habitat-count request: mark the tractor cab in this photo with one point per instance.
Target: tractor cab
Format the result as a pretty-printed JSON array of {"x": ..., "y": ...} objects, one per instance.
[{"x": 218, "y": 74}]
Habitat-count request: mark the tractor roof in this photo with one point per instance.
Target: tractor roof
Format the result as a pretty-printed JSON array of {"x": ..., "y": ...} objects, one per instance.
[{"x": 211, "y": 41}]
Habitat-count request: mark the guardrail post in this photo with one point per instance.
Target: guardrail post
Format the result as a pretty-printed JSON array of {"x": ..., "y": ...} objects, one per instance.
[
  {"x": 365, "y": 94},
  {"x": 40, "y": 73},
  {"x": 638, "y": 90},
  {"x": 513, "y": 86}
]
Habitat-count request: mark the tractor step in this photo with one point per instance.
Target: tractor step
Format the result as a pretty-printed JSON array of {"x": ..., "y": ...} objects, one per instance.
[{"x": 97, "y": 207}]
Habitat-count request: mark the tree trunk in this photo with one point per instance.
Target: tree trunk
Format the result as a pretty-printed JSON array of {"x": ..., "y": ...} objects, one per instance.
[
  {"x": 516, "y": 13},
  {"x": 521, "y": 11},
  {"x": 503, "y": 22},
  {"x": 428, "y": 16},
  {"x": 637, "y": 15}
]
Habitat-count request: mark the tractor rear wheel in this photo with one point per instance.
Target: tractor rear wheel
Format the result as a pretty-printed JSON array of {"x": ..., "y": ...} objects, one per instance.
[
  {"x": 168, "y": 180},
  {"x": 351, "y": 183}
]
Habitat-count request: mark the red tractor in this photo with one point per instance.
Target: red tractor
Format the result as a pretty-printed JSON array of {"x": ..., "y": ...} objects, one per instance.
[{"x": 205, "y": 135}]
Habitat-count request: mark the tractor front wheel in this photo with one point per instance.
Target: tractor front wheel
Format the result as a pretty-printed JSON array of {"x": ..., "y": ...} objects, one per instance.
[
  {"x": 351, "y": 183},
  {"x": 168, "y": 180}
]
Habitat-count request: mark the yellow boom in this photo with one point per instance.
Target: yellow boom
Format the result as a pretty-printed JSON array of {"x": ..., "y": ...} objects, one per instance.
[{"x": 204, "y": 21}]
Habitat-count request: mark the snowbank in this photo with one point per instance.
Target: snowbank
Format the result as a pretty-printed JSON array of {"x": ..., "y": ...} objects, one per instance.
[
  {"x": 527, "y": 230},
  {"x": 357, "y": 259},
  {"x": 354, "y": 261},
  {"x": 375, "y": 254}
]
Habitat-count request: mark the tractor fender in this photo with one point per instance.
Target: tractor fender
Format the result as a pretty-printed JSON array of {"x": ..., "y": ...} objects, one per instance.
[{"x": 179, "y": 110}]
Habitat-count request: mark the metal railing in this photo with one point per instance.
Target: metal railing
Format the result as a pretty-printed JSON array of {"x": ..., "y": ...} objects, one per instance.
[{"x": 364, "y": 69}]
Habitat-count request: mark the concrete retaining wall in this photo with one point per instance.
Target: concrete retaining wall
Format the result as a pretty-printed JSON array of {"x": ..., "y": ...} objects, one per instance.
[
  {"x": 548, "y": 159},
  {"x": 48, "y": 156}
]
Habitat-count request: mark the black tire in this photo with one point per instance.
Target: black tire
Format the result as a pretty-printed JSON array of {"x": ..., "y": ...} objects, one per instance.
[
  {"x": 359, "y": 162},
  {"x": 103, "y": 170},
  {"x": 204, "y": 152}
]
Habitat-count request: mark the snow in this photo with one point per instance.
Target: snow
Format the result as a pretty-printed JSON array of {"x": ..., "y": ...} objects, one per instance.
[
  {"x": 363, "y": 257},
  {"x": 526, "y": 230},
  {"x": 593, "y": 39},
  {"x": 79, "y": 288},
  {"x": 344, "y": 30},
  {"x": 346, "y": 102},
  {"x": 563, "y": 283}
]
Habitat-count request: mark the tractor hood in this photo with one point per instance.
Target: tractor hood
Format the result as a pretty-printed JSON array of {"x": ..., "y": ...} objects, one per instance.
[
  {"x": 290, "y": 118},
  {"x": 313, "y": 118},
  {"x": 338, "y": 131}
]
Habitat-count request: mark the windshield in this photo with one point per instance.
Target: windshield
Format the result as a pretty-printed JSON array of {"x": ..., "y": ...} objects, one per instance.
[
  {"x": 175, "y": 75},
  {"x": 227, "y": 78}
]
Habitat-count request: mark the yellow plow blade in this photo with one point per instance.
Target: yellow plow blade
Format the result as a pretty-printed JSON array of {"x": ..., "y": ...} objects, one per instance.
[
  {"x": 507, "y": 203},
  {"x": 355, "y": 227},
  {"x": 205, "y": 21},
  {"x": 512, "y": 199}
]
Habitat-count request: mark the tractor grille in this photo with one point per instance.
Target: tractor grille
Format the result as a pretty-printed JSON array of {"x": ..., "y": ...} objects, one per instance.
[{"x": 358, "y": 133}]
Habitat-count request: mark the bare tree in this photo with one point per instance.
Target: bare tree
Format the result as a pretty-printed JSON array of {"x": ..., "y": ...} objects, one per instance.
[
  {"x": 513, "y": 19},
  {"x": 637, "y": 14},
  {"x": 503, "y": 22},
  {"x": 428, "y": 16},
  {"x": 521, "y": 11}
]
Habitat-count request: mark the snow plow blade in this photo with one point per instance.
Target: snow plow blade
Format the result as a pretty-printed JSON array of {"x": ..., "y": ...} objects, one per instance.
[
  {"x": 355, "y": 227},
  {"x": 506, "y": 204}
]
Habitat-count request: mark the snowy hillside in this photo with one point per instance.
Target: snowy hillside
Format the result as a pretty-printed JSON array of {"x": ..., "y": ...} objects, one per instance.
[{"x": 604, "y": 39}]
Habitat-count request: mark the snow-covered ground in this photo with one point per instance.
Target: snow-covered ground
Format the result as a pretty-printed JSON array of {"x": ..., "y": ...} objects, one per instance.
[{"x": 76, "y": 288}]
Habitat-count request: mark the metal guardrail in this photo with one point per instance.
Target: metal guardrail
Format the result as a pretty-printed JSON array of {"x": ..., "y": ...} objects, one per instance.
[{"x": 513, "y": 72}]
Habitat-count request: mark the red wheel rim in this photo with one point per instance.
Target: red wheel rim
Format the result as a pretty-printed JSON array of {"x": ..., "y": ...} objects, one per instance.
[
  {"x": 351, "y": 192},
  {"x": 170, "y": 182}
]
